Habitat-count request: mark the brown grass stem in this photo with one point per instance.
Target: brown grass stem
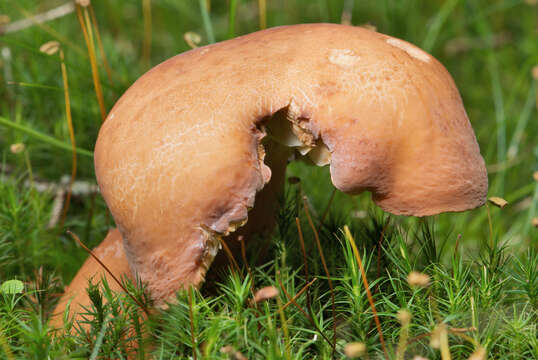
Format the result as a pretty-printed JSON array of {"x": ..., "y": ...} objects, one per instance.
[
  {"x": 381, "y": 237},
  {"x": 146, "y": 47},
  {"x": 108, "y": 69},
  {"x": 71, "y": 137},
  {"x": 305, "y": 260},
  {"x": 299, "y": 293},
  {"x": 81, "y": 244},
  {"x": 262, "y": 8},
  {"x": 95, "y": 66},
  {"x": 292, "y": 300},
  {"x": 85, "y": 25},
  {"x": 328, "y": 207},
  {"x": 367, "y": 288},
  {"x": 419, "y": 337},
  {"x": 230, "y": 256},
  {"x": 325, "y": 267},
  {"x": 244, "y": 256}
]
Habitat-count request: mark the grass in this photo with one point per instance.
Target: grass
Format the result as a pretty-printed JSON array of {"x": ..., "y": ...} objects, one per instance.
[{"x": 482, "y": 265}]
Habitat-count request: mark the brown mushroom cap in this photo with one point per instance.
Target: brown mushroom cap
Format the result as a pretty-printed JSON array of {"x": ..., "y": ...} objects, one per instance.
[
  {"x": 111, "y": 253},
  {"x": 179, "y": 159}
]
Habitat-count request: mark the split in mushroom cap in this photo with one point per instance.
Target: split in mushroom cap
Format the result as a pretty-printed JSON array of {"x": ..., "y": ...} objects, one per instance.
[{"x": 179, "y": 160}]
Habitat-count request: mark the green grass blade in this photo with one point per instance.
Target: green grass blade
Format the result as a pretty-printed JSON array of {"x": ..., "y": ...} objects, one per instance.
[
  {"x": 43, "y": 137},
  {"x": 99, "y": 341},
  {"x": 522, "y": 122},
  {"x": 534, "y": 203},
  {"x": 207, "y": 22},
  {"x": 437, "y": 24},
  {"x": 36, "y": 86},
  {"x": 231, "y": 19}
]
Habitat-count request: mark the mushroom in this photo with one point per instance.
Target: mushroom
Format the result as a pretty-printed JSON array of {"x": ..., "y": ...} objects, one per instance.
[{"x": 184, "y": 152}]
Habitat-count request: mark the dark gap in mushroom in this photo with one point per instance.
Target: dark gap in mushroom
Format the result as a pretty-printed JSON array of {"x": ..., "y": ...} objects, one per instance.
[
  {"x": 289, "y": 128},
  {"x": 279, "y": 142}
]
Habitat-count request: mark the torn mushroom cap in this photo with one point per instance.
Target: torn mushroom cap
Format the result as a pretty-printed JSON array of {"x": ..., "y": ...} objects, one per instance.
[
  {"x": 111, "y": 253},
  {"x": 179, "y": 159}
]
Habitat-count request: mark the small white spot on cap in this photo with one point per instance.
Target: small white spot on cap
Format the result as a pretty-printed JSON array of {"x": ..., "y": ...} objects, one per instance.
[
  {"x": 410, "y": 49},
  {"x": 343, "y": 57}
]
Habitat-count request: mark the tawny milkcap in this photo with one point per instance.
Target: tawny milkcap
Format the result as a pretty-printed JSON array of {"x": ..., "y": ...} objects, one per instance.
[
  {"x": 111, "y": 253},
  {"x": 181, "y": 155}
]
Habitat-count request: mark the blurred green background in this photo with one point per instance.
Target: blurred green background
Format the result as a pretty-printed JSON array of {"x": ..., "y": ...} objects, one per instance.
[{"x": 489, "y": 46}]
